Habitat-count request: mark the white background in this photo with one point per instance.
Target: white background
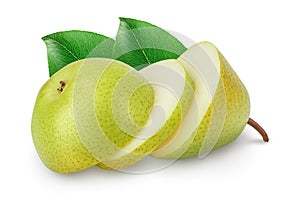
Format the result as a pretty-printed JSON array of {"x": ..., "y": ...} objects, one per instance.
[{"x": 260, "y": 39}]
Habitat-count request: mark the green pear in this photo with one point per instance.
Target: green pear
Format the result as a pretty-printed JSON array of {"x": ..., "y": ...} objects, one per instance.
[
  {"x": 173, "y": 92},
  {"x": 56, "y": 128},
  {"x": 100, "y": 111},
  {"x": 220, "y": 108}
]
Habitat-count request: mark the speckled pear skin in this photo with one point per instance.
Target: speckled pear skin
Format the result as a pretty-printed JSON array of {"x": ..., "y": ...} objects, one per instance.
[
  {"x": 153, "y": 142},
  {"x": 237, "y": 108},
  {"x": 230, "y": 98},
  {"x": 211, "y": 120},
  {"x": 53, "y": 128},
  {"x": 139, "y": 107},
  {"x": 237, "y": 104},
  {"x": 60, "y": 148}
]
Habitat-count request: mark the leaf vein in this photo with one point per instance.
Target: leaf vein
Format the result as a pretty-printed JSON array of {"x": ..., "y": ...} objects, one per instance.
[
  {"x": 66, "y": 48},
  {"x": 138, "y": 43}
]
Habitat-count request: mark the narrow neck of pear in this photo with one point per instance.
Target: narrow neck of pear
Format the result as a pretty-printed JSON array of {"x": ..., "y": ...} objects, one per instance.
[{"x": 60, "y": 89}]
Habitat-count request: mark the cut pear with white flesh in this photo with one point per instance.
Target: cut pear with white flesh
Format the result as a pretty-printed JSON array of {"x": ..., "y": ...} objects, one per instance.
[
  {"x": 93, "y": 104},
  {"x": 231, "y": 98},
  {"x": 228, "y": 113},
  {"x": 173, "y": 91},
  {"x": 205, "y": 73}
]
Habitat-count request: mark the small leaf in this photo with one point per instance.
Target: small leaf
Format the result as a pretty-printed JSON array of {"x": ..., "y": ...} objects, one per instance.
[
  {"x": 68, "y": 46},
  {"x": 140, "y": 43}
]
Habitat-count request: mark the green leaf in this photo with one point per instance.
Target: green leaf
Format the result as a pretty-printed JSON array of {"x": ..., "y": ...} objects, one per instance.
[
  {"x": 140, "y": 43},
  {"x": 68, "y": 46}
]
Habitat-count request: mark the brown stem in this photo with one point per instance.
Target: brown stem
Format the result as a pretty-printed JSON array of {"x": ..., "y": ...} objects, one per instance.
[{"x": 259, "y": 129}]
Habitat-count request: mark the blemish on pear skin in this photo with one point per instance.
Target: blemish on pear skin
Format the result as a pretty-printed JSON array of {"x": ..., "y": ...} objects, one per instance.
[{"x": 62, "y": 86}]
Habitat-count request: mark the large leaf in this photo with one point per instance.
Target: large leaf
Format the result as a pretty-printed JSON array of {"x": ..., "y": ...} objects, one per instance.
[
  {"x": 140, "y": 43},
  {"x": 68, "y": 46}
]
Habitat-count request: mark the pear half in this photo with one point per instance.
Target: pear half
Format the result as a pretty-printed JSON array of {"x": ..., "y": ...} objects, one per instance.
[
  {"x": 63, "y": 129},
  {"x": 173, "y": 91},
  {"x": 222, "y": 110}
]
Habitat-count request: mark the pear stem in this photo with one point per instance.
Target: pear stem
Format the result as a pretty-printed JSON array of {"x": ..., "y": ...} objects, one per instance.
[{"x": 259, "y": 129}]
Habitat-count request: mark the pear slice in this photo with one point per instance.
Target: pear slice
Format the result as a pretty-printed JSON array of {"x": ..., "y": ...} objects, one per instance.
[
  {"x": 108, "y": 96},
  {"x": 223, "y": 105},
  {"x": 173, "y": 90}
]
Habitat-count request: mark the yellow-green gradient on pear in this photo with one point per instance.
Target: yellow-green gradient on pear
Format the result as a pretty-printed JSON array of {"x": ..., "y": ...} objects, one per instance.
[
  {"x": 225, "y": 115},
  {"x": 173, "y": 90},
  {"x": 237, "y": 99},
  {"x": 205, "y": 74},
  {"x": 53, "y": 127},
  {"x": 98, "y": 104}
]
